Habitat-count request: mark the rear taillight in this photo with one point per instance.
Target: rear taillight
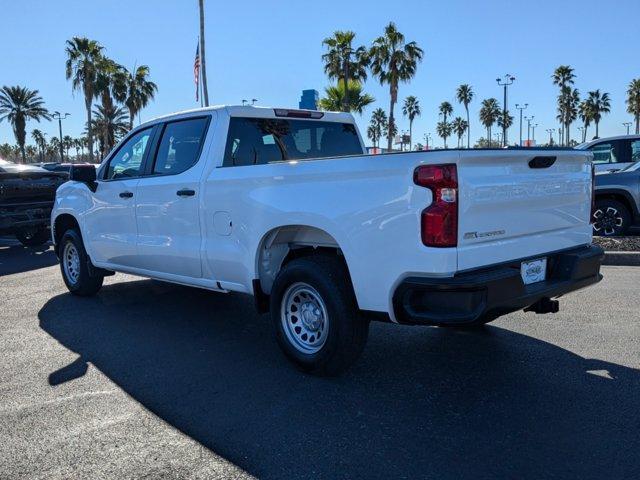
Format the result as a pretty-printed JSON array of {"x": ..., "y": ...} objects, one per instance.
[
  {"x": 439, "y": 221},
  {"x": 593, "y": 191}
]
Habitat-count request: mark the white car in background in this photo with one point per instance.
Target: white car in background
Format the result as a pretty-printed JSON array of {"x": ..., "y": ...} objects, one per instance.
[{"x": 613, "y": 153}]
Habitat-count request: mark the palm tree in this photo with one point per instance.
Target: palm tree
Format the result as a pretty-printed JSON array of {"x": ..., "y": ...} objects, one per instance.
[
  {"x": 335, "y": 98},
  {"x": 598, "y": 104},
  {"x": 633, "y": 102},
  {"x": 505, "y": 120},
  {"x": 411, "y": 109},
  {"x": 444, "y": 130},
  {"x": 464, "y": 95},
  {"x": 564, "y": 77},
  {"x": 137, "y": 92},
  {"x": 31, "y": 152},
  {"x": 109, "y": 125},
  {"x": 17, "y": 105},
  {"x": 67, "y": 143},
  {"x": 110, "y": 81},
  {"x": 445, "y": 110},
  {"x": 586, "y": 115},
  {"x": 53, "y": 149},
  {"x": 41, "y": 142},
  {"x": 459, "y": 126},
  {"x": 394, "y": 61},
  {"x": 83, "y": 57},
  {"x": 489, "y": 113},
  {"x": 377, "y": 126},
  {"x": 342, "y": 62}
]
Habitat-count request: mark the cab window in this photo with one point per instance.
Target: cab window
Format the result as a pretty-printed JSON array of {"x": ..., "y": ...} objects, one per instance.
[
  {"x": 635, "y": 150},
  {"x": 127, "y": 161},
  {"x": 180, "y": 146},
  {"x": 257, "y": 141},
  {"x": 604, "y": 153}
]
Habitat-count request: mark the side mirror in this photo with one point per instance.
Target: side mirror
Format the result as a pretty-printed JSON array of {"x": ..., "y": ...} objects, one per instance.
[{"x": 85, "y": 174}]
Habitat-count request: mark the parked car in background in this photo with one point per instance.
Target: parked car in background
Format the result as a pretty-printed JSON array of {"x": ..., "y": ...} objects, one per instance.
[
  {"x": 27, "y": 193},
  {"x": 62, "y": 167},
  {"x": 617, "y": 201},
  {"x": 613, "y": 153},
  {"x": 286, "y": 205}
]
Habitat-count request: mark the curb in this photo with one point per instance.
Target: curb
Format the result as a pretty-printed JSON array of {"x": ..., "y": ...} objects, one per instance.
[{"x": 628, "y": 259}]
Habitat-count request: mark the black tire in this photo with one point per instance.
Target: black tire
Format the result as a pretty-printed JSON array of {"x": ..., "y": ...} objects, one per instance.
[
  {"x": 610, "y": 218},
  {"x": 346, "y": 328},
  {"x": 33, "y": 237},
  {"x": 81, "y": 282}
]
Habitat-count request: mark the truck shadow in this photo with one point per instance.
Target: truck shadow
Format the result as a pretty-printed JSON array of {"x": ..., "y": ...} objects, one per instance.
[
  {"x": 16, "y": 258},
  {"x": 421, "y": 403}
]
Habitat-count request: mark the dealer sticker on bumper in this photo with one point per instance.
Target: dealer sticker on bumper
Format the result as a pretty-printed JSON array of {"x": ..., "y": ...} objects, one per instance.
[{"x": 533, "y": 271}]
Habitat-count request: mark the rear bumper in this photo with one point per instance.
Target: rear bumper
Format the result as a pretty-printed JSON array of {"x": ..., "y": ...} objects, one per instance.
[
  {"x": 15, "y": 217},
  {"x": 490, "y": 292}
]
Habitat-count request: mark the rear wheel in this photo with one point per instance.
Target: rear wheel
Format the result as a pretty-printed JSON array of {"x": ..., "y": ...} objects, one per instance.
[
  {"x": 74, "y": 265},
  {"x": 610, "y": 218},
  {"x": 315, "y": 316},
  {"x": 33, "y": 236}
]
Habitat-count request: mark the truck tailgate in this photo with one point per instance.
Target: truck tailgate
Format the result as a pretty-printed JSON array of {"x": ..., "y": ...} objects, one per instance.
[{"x": 521, "y": 203}]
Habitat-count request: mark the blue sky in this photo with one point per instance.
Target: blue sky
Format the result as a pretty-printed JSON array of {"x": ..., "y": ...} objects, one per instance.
[{"x": 272, "y": 50}]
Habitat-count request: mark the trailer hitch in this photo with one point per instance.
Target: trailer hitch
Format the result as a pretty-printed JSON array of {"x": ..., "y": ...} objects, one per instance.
[{"x": 544, "y": 305}]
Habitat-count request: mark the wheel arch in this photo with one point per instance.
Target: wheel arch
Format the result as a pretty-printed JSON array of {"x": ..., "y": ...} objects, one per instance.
[
  {"x": 621, "y": 196},
  {"x": 61, "y": 224},
  {"x": 282, "y": 244}
]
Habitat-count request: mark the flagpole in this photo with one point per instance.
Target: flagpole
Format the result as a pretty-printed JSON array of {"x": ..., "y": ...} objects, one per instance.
[{"x": 200, "y": 74}]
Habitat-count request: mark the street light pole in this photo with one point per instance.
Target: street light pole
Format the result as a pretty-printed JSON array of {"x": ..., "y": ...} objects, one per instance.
[
  {"x": 528, "y": 119},
  {"x": 427, "y": 136},
  {"x": 627, "y": 124},
  {"x": 582, "y": 130},
  {"x": 550, "y": 132},
  {"x": 560, "y": 136},
  {"x": 59, "y": 116},
  {"x": 533, "y": 133},
  {"x": 508, "y": 80},
  {"x": 521, "y": 108}
]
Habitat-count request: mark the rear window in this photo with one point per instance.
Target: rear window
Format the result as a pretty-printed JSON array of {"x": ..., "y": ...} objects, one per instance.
[{"x": 256, "y": 141}]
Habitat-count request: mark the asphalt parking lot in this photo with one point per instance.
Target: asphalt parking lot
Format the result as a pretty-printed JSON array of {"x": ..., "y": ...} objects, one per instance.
[{"x": 149, "y": 380}]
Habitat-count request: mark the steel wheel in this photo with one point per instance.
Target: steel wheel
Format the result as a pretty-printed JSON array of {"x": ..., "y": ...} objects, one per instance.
[
  {"x": 304, "y": 318},
  {"x": 71, "y": 262},
  {"x": 607, "y": 220}
]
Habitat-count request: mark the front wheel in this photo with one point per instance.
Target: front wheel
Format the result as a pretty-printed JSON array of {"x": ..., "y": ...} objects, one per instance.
[
  {"x": 33, "y": 236},
  {"x": 74, "y": 265},
  {"x": 610, "y": 218},
  {"x": 315, "y": 316}
]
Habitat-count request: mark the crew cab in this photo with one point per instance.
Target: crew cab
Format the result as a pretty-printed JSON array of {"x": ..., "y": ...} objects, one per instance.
[
  {"x": 26, "y": 199},
  {"x": 285, "y": 205}
]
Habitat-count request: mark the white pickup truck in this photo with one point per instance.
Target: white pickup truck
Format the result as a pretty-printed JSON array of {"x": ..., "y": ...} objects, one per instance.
[{"x": 286, "y": 205}]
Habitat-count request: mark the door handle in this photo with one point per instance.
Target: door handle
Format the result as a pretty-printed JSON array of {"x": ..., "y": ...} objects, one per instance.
[
  {"x": 186, "y": 192},
  {"x": 126, "y": 194}
]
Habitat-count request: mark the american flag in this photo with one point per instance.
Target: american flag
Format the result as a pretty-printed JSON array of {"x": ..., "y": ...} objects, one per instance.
[{"x": 196, "y": 70}]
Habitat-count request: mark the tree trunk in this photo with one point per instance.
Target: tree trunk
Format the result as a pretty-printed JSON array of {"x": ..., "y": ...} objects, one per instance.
[
  {"x": 410, "y": 135},
  {"x": 345, "y": 98},
  {"x": 466, "y": 107},
  {"x": 568, "y": 136},
  {"x": 87, "y": 104},
  {"x": 637, "y": 124},
  {"x": 391, "y": 119},
  {"x": 597, "y": 136},
  {"x": 203, "y": 68}
]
